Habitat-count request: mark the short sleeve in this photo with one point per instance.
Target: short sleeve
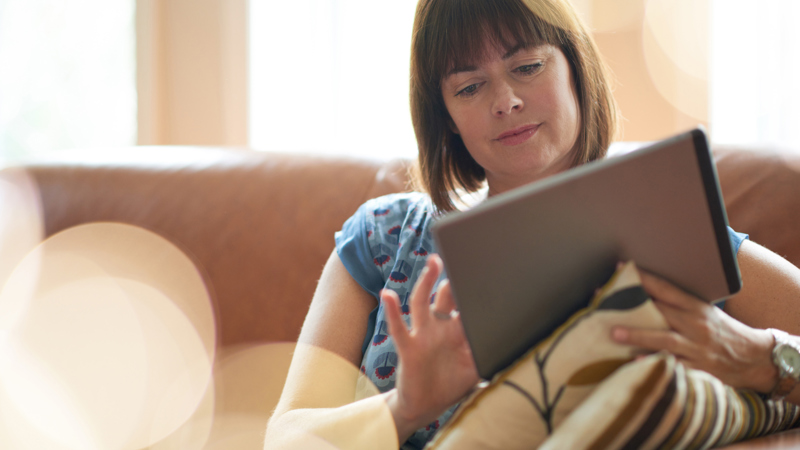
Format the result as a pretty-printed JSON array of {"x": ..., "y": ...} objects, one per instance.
[
  {"x": 736, "y": 239},
  {"x": 353, "y": 248},
  {"x": 736, "y": 242}
]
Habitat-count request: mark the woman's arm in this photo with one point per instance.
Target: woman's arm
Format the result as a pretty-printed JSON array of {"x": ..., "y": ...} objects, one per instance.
[
  {"x": 337, "y": 318},
  {"x": 319, "y": 397},
  {"x": 435, "y": 364},
  {"x": 770, "y": 295},
  {"x": 770, "y": 298},
  {"x": 732, "y": 345}
]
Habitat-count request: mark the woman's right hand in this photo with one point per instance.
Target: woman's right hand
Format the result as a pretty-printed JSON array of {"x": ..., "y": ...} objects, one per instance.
[{"x": 436, "y": 368}]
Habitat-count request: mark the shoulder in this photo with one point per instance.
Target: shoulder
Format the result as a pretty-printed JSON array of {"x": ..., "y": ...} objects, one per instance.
[
  {"x": 401, "y": 204},
  {"x": 389, "y": 219},
  {"x": 378, "y": 234},
  {"x": 388, "y": 210}
]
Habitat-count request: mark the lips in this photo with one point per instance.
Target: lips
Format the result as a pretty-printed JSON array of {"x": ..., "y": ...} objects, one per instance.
[{"x": 517, "y": 135}]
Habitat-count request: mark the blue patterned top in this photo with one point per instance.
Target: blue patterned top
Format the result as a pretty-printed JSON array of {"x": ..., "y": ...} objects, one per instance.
[{"x": 385, "y": 245}]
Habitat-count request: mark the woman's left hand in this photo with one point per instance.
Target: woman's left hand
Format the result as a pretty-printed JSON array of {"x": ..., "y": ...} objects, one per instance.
[{"x": 704, "y": 337}]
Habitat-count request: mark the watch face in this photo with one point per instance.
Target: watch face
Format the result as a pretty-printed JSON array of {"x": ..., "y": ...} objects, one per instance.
[{"x": 790, "y": 359}]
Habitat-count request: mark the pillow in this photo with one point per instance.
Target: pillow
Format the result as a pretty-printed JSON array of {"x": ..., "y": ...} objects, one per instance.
[
  {"x": 525, "y": 402},
  {"x": 658, "y": 403},
  {"x": 565, "y": 384}
]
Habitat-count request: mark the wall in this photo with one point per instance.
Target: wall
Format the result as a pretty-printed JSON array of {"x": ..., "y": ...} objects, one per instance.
[
  {"x": 192, "y": 72},
  {"x": 658, "y": 51}
]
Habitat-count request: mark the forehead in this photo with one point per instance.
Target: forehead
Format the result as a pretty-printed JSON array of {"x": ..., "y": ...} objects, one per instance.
[
  {"x": 493, "y": 51},
  {"x": 473, "y": 52}
]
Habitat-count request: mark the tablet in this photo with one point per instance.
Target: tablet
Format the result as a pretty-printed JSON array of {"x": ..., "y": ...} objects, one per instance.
[{"x": 524, "y": 261}]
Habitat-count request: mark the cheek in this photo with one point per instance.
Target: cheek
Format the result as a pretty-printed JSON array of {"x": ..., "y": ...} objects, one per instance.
[
  {"x": 570, "y": 101},
  {"x": 466, "y": 123},
  {"x": 561, "y": 101}
]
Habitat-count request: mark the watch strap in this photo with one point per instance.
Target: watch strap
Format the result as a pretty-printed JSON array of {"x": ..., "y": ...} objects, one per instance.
[{"x": 786, "y": 380}]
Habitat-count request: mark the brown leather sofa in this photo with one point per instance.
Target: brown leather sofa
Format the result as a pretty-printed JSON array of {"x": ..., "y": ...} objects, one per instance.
[{"x": 260, "y": 226}]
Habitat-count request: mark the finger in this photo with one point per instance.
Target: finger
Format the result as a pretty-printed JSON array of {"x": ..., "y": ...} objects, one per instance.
[
  {"x": 419, "y": 303},
  {"x": 397, "y": 328},
  {"x": 664, "y": 291},
  {"x": 654, "y": 340},
  {"x": 444, "y": 302},
  {"x": 677, "y": 318}
]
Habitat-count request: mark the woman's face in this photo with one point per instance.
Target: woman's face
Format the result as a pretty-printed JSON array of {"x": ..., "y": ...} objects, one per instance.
[{"x": 516, "y": 112}]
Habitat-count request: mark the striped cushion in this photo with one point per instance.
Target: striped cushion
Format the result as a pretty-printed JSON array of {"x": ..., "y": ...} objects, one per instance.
[
  {"x": 657, "y": 403},
  {"x": 579, "y": 389}
]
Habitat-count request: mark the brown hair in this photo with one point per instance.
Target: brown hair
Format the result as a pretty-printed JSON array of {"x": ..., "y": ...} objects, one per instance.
[{"x": 453, "y": 33}]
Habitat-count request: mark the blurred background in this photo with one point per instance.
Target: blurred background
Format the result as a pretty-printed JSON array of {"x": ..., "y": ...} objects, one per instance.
[{"x": 332, "y": 75}]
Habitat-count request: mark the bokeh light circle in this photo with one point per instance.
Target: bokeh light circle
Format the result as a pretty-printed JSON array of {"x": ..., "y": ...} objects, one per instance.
[
  {"x": 675, "y": 40},
  {"x": 114, "y": 346}
]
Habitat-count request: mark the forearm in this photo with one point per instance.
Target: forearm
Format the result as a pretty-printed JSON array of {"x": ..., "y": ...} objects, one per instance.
[
  {"x": 363, "y": 424},
  {"x": 760, "y": 373},
  {"x": 341, "y": 406},
  {"x": 770, "y": 298}
]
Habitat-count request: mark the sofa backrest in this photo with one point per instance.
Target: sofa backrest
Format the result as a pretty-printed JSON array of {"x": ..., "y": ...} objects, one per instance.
[
  {"x": 260, "y": 226},
  {"x": 762, "y": 196}
]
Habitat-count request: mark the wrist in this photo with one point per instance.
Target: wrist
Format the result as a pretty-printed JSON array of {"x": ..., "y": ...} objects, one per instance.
[
  {"x": 763, "y": 373},
  {"x": 786, "y": 358},
  {"x": 405, "y": 421}
]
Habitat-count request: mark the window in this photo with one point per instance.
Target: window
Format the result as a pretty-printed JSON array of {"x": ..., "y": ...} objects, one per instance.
[
  {"x": 67, "y": 76},
  {"x": 755, "y": 68},
  {"x": 331, "y": 76}
]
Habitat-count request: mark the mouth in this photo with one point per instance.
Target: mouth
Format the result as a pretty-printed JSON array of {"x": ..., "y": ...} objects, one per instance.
[{"x": 517, "y": 135}]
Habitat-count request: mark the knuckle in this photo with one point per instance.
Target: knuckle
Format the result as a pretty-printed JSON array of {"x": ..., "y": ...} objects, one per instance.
[
  {"x": 671, "y": 341},
  {"x": 705, "y": 332}
]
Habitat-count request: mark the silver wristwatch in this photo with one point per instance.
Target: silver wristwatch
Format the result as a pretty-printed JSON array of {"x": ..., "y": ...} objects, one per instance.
[{"x": 786, "y": 357}]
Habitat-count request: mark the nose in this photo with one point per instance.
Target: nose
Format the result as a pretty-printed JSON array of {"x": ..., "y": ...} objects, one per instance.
[{"x": 506, "y": 101}]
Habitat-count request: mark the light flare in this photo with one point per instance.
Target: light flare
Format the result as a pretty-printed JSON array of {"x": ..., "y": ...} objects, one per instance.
[{"x": 111, "y": 348}]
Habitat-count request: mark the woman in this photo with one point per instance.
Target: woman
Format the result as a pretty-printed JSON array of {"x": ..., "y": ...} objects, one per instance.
[{"x": 503, "y": 93}]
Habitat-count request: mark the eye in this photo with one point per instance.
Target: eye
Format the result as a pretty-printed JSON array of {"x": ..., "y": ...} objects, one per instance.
[
  {"x": 530, "y": 69},
  {"x": 468, "y": 91}
]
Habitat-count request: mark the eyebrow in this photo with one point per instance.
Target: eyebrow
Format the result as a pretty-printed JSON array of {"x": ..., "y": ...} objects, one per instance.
[
  {"x": 511, "y": 52},
  {"x": 514, "y": 50}
]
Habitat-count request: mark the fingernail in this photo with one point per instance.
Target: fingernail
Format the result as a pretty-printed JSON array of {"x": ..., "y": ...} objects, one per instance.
[{"x": 619, "y": 334}]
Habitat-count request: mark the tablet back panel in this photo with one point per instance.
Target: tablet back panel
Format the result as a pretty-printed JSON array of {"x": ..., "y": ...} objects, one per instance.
[{"x": 522, "y": 262}]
